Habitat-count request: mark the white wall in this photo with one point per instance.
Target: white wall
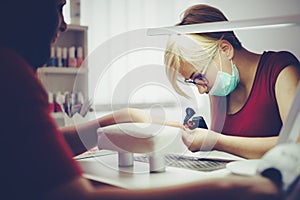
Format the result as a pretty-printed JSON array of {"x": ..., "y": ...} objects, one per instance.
[
  {"x": 108, "y": 18},
  {"x": 264, "y": 39}
]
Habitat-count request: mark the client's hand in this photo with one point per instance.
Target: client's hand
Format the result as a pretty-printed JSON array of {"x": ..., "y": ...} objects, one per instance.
[{"x": 199, "y": 139}]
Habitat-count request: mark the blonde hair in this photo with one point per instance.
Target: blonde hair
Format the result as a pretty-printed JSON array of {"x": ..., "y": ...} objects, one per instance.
[
  {"x": 190, "y": 49},
  {"x": 177, "y": 54}
]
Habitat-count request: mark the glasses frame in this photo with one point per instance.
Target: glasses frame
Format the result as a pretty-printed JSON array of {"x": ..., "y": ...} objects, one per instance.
[
  {"x": 194, "y": 81},
  {"x": 201, "y": 76}
]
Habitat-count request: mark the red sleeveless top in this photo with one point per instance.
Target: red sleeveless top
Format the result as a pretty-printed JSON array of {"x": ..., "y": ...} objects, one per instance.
[
  {"x": 259, "y": 117},
  {"x": 35, "y": 156}
]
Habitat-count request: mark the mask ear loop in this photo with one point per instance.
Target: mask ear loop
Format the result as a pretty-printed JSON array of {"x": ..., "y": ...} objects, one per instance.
[
  {"x": 206, "y": 66},
  {"x": 231, "y": 66},
  {"x": 220, "y": 60}
]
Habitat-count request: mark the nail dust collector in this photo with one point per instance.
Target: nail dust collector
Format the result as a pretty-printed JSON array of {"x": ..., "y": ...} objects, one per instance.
[{"x": 152, "y": 140}]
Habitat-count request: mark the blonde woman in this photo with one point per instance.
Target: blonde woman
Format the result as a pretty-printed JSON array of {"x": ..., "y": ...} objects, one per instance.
[
  {"x": 37, "y": 161},
  {"x": 250, "y": 94}
]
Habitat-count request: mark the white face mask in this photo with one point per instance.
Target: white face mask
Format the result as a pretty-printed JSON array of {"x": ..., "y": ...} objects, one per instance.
[{"x": 225, "y": 83}]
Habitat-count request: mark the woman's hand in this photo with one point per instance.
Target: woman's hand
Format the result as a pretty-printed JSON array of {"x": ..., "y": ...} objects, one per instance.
[{"x": 200, "y": 139}]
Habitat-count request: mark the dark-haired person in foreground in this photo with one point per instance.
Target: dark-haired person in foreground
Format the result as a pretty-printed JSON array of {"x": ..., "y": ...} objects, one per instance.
[{"x": 37, "y": 159}]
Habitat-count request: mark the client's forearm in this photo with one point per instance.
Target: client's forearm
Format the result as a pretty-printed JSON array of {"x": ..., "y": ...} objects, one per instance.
[
  {"x": 84, "y": 136},
  {"x": 138, "y": 115}
]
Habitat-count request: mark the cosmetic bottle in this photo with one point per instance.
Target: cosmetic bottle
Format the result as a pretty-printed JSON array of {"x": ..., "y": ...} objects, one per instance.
[
  {"x": 79, "y": 56},
  {"x": 72, "y": 62},
  {"x": 67, "y": 103},
  {"x": 64, "y": 58},
  {"x": 76, "y": 103},
  {"x": 59, "y": 56},
  {"x": 59, "y": 102},
  {"x": 50, "y": 100},
  {"x": 52, "y": 61}
]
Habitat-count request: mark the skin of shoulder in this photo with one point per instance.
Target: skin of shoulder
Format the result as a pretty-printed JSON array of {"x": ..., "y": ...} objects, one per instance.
[{"x": 286, "y": 87}]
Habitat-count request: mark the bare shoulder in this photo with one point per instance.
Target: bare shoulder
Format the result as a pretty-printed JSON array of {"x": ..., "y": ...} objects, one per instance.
[
  {"x": 291, "y": 70},
  {"x": 286, "y": 87},
  {"x": 288, "y": 78}
]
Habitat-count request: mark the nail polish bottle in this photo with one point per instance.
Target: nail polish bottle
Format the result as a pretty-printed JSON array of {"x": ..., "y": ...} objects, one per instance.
[
  {"x": 64, "y": 57},
  {"x": 52, "y": 61},
  {"x": 50, "y": 100},
  {"x": 59, "y": 56},
  {"x": 59, "y": 102},
  {"x": 79, "y": 56},
  {"x": 72, "y": 62}
]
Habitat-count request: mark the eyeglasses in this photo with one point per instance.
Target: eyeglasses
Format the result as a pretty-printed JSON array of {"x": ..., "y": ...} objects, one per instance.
[{"x": 198, "y": 80}]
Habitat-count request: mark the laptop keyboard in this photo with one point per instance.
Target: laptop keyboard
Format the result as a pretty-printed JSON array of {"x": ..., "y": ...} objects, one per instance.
[{"x": 198, "y": 164}]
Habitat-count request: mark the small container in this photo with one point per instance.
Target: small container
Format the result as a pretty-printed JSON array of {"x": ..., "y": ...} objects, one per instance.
[
  {"x": 50, "y": 100},
  {"x": 72, "y": 62},
  {"x": 79, "y": 56},
  {"x": 67, "y": 103},
  {"x": 59, "y": 56},
  {"x": 60, "y": 98},
  {"x": 52, "y": 61},
  {"x": 76, "y": 103},
  {"x": 64, "y": 59}
]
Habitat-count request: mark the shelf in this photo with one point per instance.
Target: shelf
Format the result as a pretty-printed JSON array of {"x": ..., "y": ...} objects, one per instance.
[
  {"x": 75, "y": 27},
  {"x": 62, "y": 70},
  {"x": 58, "y": 115},
  {"x": 67, "y": 79},
  {"x": 59, "y": 119}
]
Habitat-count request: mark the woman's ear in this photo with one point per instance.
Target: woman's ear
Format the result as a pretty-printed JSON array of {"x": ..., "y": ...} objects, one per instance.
[{"x": 226, "y": 48}]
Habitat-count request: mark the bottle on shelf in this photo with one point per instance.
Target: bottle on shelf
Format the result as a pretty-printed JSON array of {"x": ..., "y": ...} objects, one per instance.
[
  {"x": 72, "y": 62},
  {"x": 50, "y": 100},
  {"x": 65, "y": 57},
  {"x": 59, "y": 100},
  {"x": 52, "y": 61},
  {"x": 79, "y": 56},
  {"x": 67, "y": 103},
  {"x": 59, "y": 56},
  {"x": 76, "y": 102}
]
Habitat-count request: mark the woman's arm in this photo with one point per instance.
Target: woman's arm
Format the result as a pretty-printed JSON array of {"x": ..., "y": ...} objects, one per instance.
[
  {"x": 247, "y": 147},
  {"x": 286, "y": 87},
  {"x": 250, "y": 147},
  {"x": 285, "y": 90},
  {"x": 84, "y": 136},
  {"x": 232, "y": 187}
]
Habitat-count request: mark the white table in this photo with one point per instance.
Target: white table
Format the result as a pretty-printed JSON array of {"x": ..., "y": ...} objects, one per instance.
[{"x": 105, "y": 169}]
